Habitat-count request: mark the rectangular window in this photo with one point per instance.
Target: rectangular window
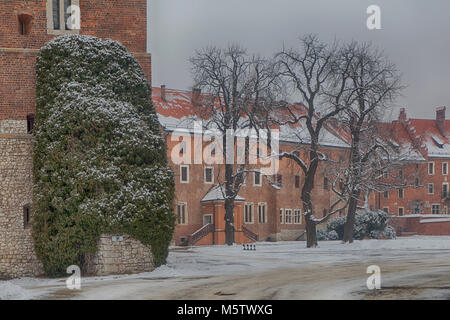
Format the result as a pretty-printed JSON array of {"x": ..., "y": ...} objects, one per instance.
[
  {"x": 248, "y": 213},
  {"x": 184, "y": 174},
  {"x": 207, "y": 219},
  {"x": 445, "y": 168},
  {"x": 257, "y": 178},
  {"x": 400, "y": 193},
  {"x": 209, "y": 175},
  {"x": 288, "y": 216},
  {"x": 416, "y": 182},
  {"x": 56, "y": 15},
  {"x": 281, "y": 216},
  {"x": 386, "y": 195},
  {"x": 400, "y": 211},
  {"x": 297, "y": 182},
  {"x": 431, "y": 168},
  {"x": 386, "y": 209},
  {"x": 182, "y": 213},
  {"x": 67, "y": 14},
  {"x": 400, "y": 174},
  {"x": 325, "y": 212},
  {"x": 436, "y": 209},
  {"x": 262, "y": 213},
  {"x": 297, "y": 216},
  {"x": 445, "y": 190},
  {"x": 385, "y": 174},
  {"x": 430, "y": 188}
]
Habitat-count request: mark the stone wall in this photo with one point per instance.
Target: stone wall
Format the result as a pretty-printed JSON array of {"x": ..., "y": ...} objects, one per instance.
[
  {"x": 120, "y": 254},
  {"x": 17, "y": 257}
]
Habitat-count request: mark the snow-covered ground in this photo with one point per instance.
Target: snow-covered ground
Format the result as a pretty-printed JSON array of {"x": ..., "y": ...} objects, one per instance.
[{"x": 411, "y": 267}]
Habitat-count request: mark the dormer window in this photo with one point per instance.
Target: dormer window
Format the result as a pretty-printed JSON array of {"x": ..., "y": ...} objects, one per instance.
[
  {"x": 439, "y": 143},
  {"x": 63, "y": 16}
]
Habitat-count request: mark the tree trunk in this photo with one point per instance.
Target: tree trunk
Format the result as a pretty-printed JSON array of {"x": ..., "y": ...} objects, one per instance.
[
  {"x": 229, "y": 205},
  {"x": 308, "y": 186},
  {"x": 229, "y": 222},
  {"x": 350, "y": 221},
  {"x": 311, "y": 233}
]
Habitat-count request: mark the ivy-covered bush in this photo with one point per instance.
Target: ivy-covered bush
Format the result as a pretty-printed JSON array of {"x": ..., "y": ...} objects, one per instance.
[
  {"x": 368, "y": 224},
  {"x": 100, "y": 162}
]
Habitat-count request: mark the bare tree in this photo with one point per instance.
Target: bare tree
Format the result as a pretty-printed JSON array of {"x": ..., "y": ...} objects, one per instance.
[
  {"x": 311, "y": 71},
  {"x": 373, "y": 85},
  {"x": 237, "y": 88}
]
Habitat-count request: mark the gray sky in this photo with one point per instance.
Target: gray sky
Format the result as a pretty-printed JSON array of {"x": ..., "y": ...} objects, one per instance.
[{"x": 415, "y": 35}]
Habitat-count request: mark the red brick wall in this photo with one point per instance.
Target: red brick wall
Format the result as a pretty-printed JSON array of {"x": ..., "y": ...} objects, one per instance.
[
  {"x": 288, "y": 197},
  {"x": 421, "y": 193},
  {"x": 418, "y": 225},
  {"x": 124, "y": 21}
]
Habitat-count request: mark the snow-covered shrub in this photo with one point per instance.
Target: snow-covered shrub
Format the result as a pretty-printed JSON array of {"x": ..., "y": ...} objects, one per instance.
[
  {"x": 337, "y": 225},
  {"x": 332, "y": 235},
  {"x": 371, "y": 224},
  {"x": 322, "y": 235},
  {"x": 389, "y": 233},
  {"x": 100, "y": 162}
]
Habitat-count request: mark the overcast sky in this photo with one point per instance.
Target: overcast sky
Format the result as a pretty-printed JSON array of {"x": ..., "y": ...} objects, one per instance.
[{"x": 415, "y": 35}]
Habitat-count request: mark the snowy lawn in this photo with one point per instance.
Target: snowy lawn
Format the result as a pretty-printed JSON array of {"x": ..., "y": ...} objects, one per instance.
[{"x": 217, "y": 261}]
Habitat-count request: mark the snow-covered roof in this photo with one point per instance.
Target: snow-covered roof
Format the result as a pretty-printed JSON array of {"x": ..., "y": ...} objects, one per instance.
[
  {"x": 176, "y": 113},
  {"x": 217, "y": 193}
]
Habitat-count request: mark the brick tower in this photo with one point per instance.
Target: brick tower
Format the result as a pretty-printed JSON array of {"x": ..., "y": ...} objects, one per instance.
[{"x": 25, "y": 26}]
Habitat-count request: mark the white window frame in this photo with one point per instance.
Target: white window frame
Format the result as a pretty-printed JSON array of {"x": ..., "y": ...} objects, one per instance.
[
  {"x": 252, "y": 214},
  {"x": 428, "y": 189},
  {"x": 448, "y": 189},
  {"x": 62, "y": 18},
  {"x": 386, "y": 209},
  {"x": 439, "y": 208},
  {"x": 260, "y": 205},
  {"x": 208, "y": 215},
  {"x": 446, "y": 166},
  {"x": 281, "y": 216},
  {"x": 388, "y": 194},
  {"x": 182, "y": 204},
  {"x": 428, "y": 168},
  {"x": 297, "y": 216},
  {"x": 181, "y": 173},
  {"x": 288, "y": 214},
  {"x": 403, "y": 211},
  {"x": 403, "y": 193},
  {"x": 212, "y": 175},
  {"x": 254, "y": 179}
]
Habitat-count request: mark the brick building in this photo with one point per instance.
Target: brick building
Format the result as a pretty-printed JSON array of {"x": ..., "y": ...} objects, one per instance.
[
  {"x": 422, "y": 145},
  {"x": 25, "y": 26},
  {"x": 424, "y": 207},
  {"x": 263, "y": 211}
]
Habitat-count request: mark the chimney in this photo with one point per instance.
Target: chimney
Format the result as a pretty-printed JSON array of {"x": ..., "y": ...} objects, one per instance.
[
  {"x": 402, "y": 116},
  {"x": 440, "y": 119},
  {"x": 163, "y": 92},
  {"x": 196, "y": 95}
]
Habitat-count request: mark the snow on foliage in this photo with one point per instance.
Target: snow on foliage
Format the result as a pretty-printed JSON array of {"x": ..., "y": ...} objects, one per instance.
[
  {"x": 368, "y": 224},
  {"x": 99, "y": 158}
]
